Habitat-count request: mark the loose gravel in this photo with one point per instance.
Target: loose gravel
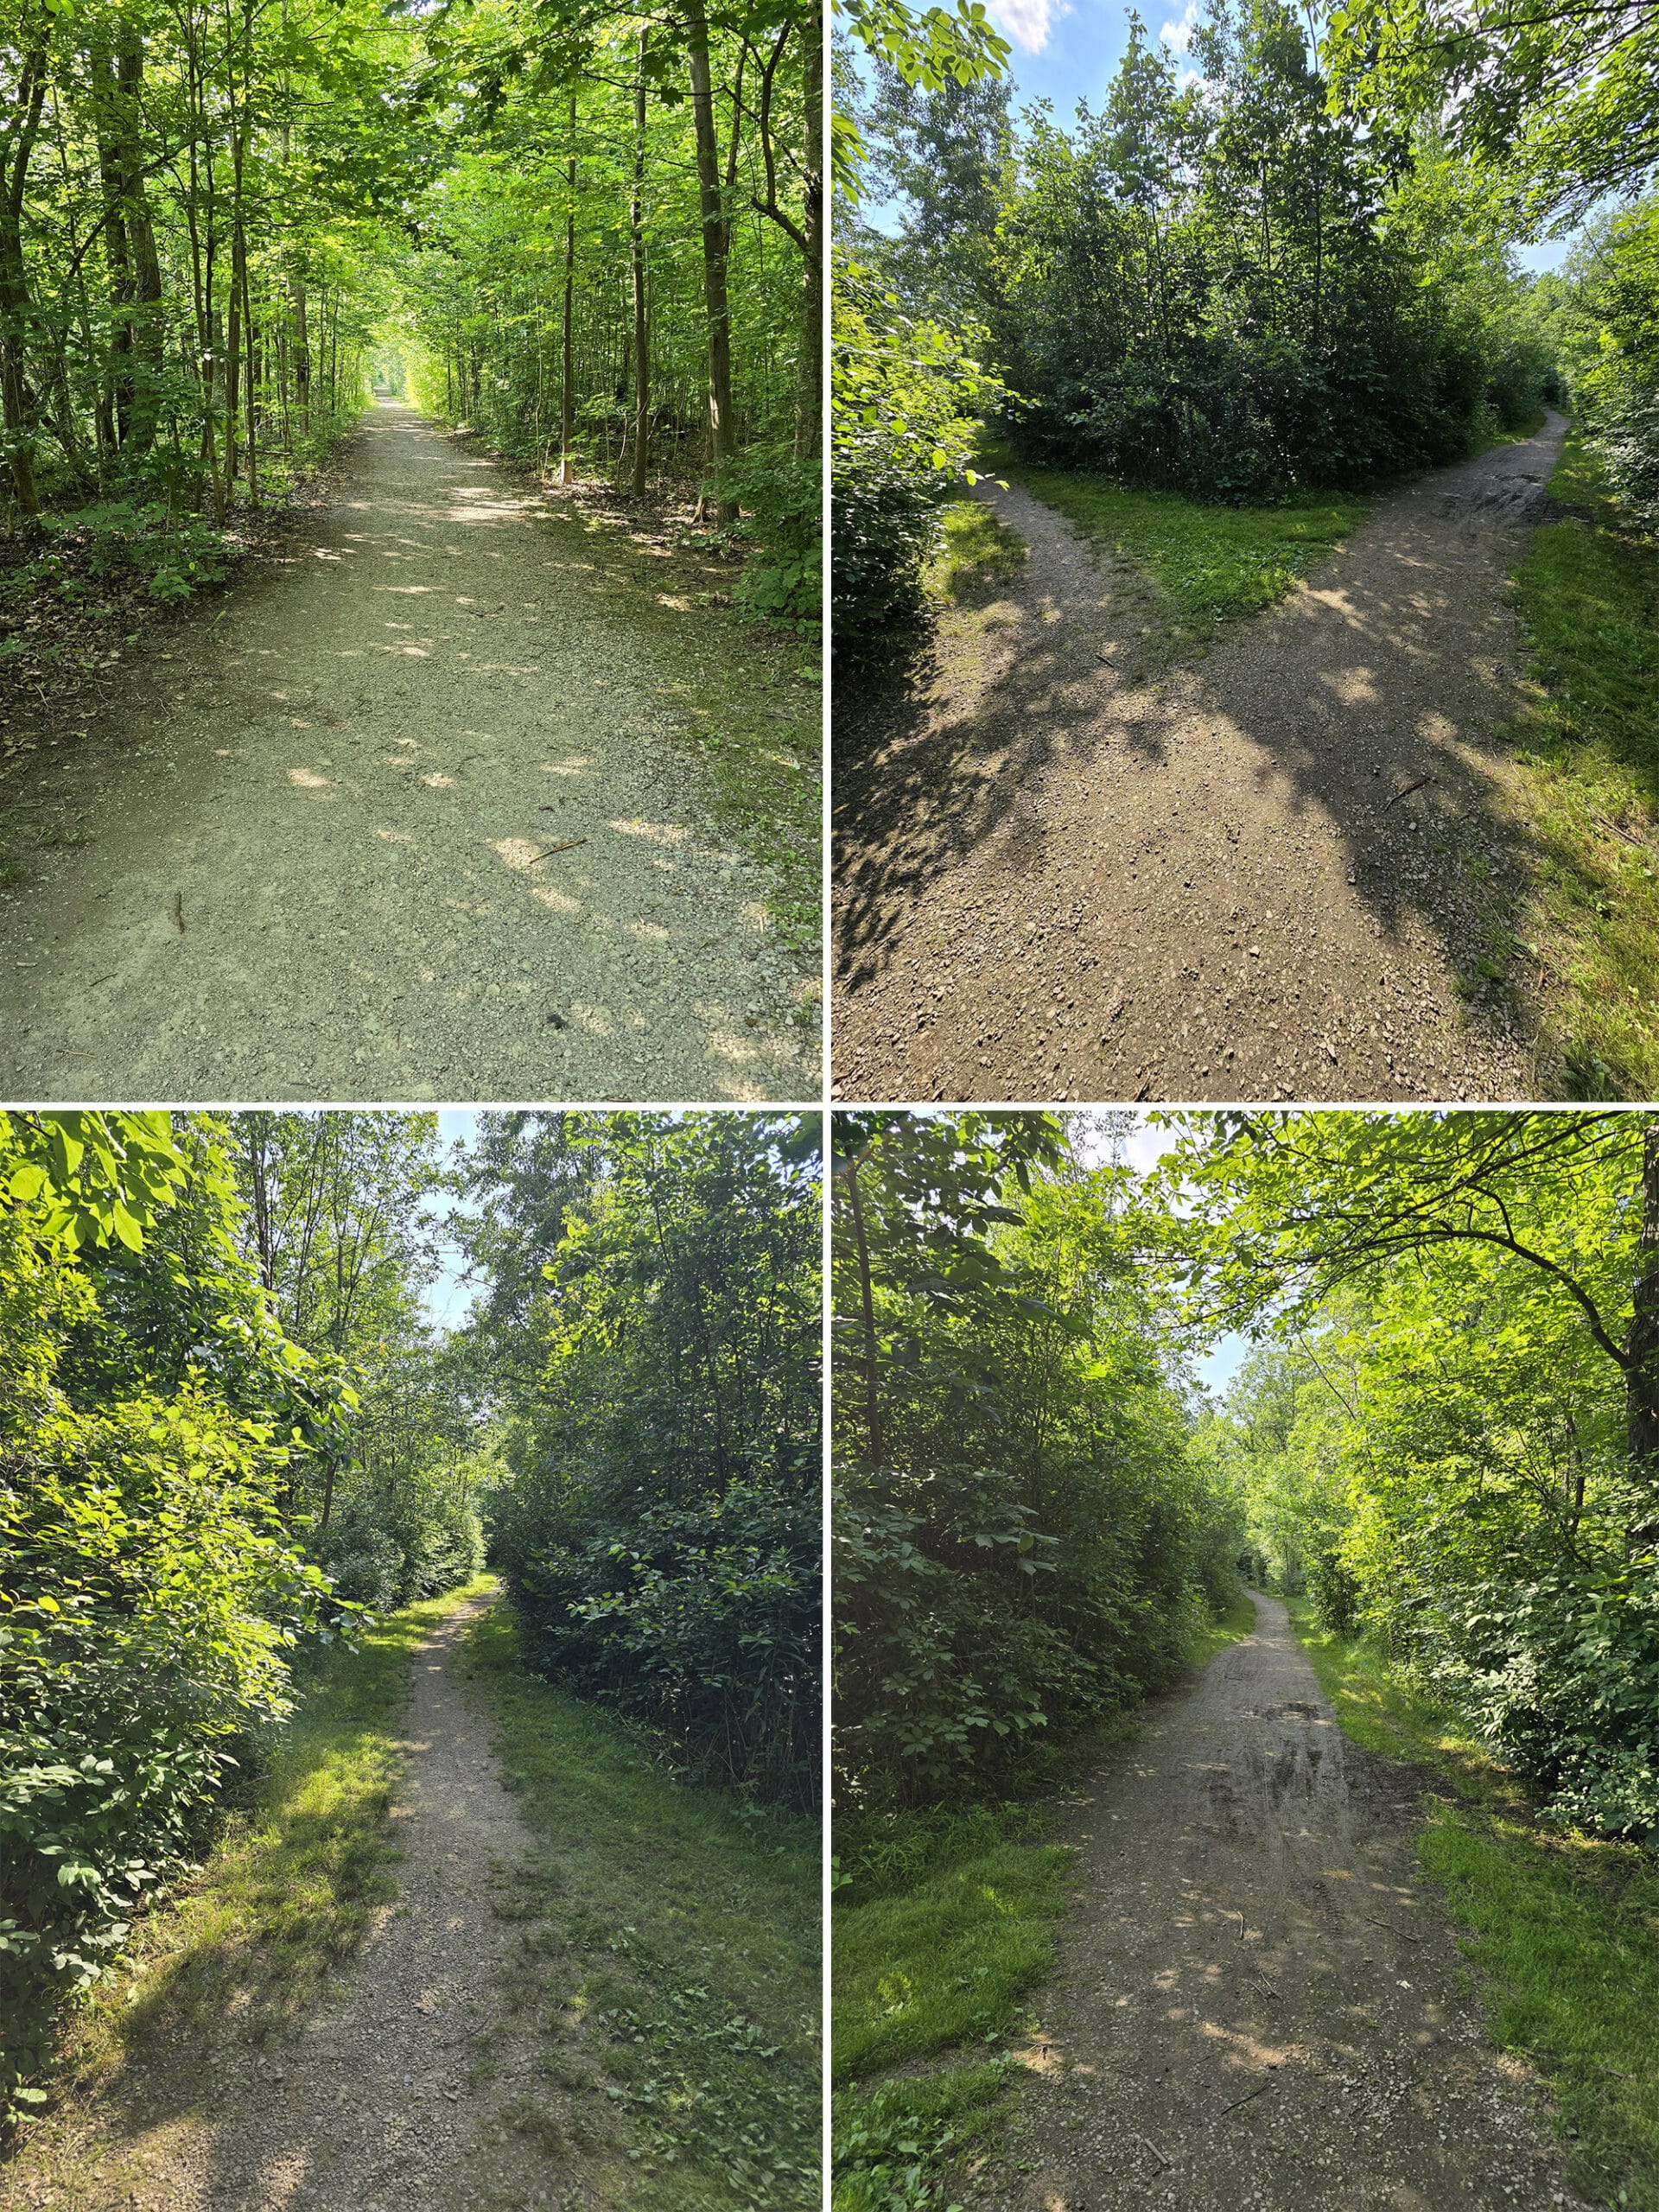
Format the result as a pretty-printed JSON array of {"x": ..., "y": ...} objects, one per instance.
[
  {"x": 1259, "y": 2005},
  {"x": 408, "y": 820},
  {"x": 1066, "y": 870}
]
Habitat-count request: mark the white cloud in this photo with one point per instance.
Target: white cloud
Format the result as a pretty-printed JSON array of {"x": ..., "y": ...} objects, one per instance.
[
  {"x": 1177, "y": 34},
  {"x": 1028, "y": 23}
]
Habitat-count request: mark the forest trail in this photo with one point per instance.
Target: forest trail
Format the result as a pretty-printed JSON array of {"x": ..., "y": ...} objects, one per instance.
[
  {"x": 1064, "y": 871},
  {"x": 406, "y": 821},
  {"x": 1258, "y": 2004},
  {"x": 391, "y": 2095}
]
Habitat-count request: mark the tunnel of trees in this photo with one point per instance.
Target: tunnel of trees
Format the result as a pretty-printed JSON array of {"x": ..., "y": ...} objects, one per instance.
[
  {"x": 595, "y": 238},
  {"x": 231, "y": 1431},
  {"x": 1446, "y": 1432}
]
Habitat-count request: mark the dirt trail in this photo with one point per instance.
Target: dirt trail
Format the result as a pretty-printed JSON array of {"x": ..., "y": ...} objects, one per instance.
[
  {"x": 406, "y": 822},
  {"x": 377, "y": 2103},
  {"x": 1063, "y": 872},
  {"x": 1258, "y": 2004}
]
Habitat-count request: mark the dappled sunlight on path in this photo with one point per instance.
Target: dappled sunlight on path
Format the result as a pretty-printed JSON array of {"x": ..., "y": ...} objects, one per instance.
[{"x": 369, "y": 836}]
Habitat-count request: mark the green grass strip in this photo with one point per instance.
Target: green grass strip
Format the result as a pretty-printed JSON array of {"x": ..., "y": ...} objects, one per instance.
[
  {"x": 1587, "y": 594},
  {"x": 683, "y": 1940},
  {"x": 1209, "y": 565},
  {"x": 1564, "y": 1930}
]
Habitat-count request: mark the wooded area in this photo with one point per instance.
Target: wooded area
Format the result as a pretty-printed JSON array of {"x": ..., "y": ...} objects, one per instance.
[
  {"x": 228, "y": 1427},
  {"x": 1446, "y": 1432},
  {"x": 593, "y": 237},
  {"x": 1281, "y": 260}
]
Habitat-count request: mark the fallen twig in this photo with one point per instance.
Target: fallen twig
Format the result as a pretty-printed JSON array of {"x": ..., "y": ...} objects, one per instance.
[
  {"x": 178, "y": 910},
  {"x": 1162, "y": 2161},
  {"x": 1406, "y": 790},
  {"x": 1392, "y": 1929},
  {"x": 551, "y": 849},
  {"x": 1600, "y": 820},
  {"x": 1245, "y": 2099}
]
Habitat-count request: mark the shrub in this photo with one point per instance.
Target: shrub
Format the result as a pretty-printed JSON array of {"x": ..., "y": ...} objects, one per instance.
[
  {"x": 149, "y": 1597},
  {"x": 782, "y": 533}
]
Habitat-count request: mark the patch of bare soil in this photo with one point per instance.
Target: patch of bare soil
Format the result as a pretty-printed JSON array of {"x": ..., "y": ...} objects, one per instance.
[
  {"x": 1259, "y": 2005},
  {"x": 409, "y": 817},
  {"x": 414, "y": 2088},
  {"x": 1285, "y": 870}
]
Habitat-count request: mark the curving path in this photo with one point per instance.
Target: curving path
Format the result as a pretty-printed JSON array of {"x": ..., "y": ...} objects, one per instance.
[
  {"x": 1258, "y": 2004},
  {"x": 1063, "y": 871},
  {"x": 405, "y": 821}
]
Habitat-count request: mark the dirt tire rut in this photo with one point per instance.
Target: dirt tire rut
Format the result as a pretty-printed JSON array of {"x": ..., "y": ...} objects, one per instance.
[{"x": 1064, "y": 871}]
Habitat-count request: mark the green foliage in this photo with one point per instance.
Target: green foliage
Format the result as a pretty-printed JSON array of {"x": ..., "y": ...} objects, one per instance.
[
  {"x": 150, "y": 1592},
  {"x": 894, "y": 2146},
  {"x": 659, "y": 1523},
  {"x": 678, "y": 1937},
  {"x": 902, "y": 394},
  {"x": 1024, "y": 1543},
  {"x": 1458, "y": 1449},
  {"x": 781, "y": 495}
]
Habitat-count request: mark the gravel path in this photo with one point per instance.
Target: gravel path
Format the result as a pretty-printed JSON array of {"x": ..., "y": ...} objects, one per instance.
[
  {"x": 1063, "y": 872},
  {"x": 406, "y": 822},
  {"x": 1258, "y": 2004},
  {"x": 392, "y": 2096}
]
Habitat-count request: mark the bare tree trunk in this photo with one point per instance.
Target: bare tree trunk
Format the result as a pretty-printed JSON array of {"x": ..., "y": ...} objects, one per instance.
[
  {"x": 1642, "y": 1371},
  {"x": 637, "y": 261},
  {"x": 568, "y": 392},
  {"x": 15, "y": 304},
  {"x": 808, "y": 409},
  {"x": 716, "y": 252}
]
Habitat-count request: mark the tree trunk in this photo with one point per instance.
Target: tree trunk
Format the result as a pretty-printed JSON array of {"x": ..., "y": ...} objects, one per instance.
[
  {"x": 715, "y": 255},
  {"x": 146, "y": 320},
  {"x": 568, "y": 390},
  {"x": 15, "y": 304},
  {"x": 809, "y": 416},
  {"x": 637, "y": 259},
  {"x": 1641, "y": 1374}
]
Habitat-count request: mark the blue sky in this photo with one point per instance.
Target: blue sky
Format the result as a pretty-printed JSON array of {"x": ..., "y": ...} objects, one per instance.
[
  {"x": 447, "y": 1298},
  {"x": 1068, "y": 50}
]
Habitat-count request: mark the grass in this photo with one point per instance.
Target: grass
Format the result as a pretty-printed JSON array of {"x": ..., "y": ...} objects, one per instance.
[
  {"x": 1587, "y": 594},
  {"x": 979, "y": 551},
  {"x": 1563, "y": 1929},
  {"x": 1208, "y": 565},
  {"x": 670, "y": 1945},
  {"x": 944, "y": 1921}
]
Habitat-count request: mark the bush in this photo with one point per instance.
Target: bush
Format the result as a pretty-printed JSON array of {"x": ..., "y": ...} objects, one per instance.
[
  {"x": 782, "y": 532},
  {"x": 389, "y": 1544},
  {"x": 150, "y": 1596},
  {"x": 904, "y": 396},
  {"x": 701, "y": 1618}
]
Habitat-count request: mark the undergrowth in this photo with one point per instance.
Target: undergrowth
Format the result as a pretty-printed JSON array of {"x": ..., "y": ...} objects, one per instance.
[
  {"x": 1564, "y": 1929},
  {"x": 674, "y": 1935},
  {"x": 1587, "y": 594},
  {"x": 1209, "y": 565},
  {"x": 977, "y": 551}
]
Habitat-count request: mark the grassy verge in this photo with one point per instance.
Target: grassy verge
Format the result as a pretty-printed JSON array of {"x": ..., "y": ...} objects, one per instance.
[
  {"x": 979, "y": 552},
  {"x": 944, "y": 1923},
  {"x": 1587, "y": 594},
  {"x": 1209, "y": 565},
  {"x": 671, "y": 1949},
  {"x": 1564, "y": 1929}
]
